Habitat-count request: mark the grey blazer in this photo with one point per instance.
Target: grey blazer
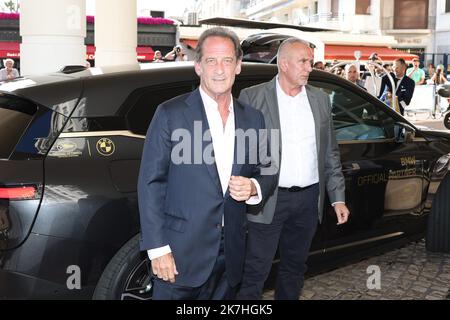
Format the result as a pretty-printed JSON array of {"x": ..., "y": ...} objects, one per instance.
[{"x": 264, "y": 98}]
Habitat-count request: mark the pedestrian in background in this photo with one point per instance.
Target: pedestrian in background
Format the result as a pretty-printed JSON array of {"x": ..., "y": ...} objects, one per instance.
[
  {"x": 319, "y": 65},
  {"x": 404, "y": 87},
  {"x": 158, "y": 56},
  {"x": 351, "y": 74},
  {"x": 9, "y": 72},
  {"x": 176, "y": 54},
  {"x": 439, "y": 76},
  {"x": 415, "y": 73}
]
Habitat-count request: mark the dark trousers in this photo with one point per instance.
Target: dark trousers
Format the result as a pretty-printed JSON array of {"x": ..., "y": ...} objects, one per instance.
[
  {"x": 215, "y": 288},
  {"x": 292, "y": 229}
]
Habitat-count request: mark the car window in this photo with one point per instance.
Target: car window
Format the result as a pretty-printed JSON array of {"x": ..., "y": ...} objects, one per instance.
[
  {"x": 15, "y": 116},
  {"x": 145, "y": 101},
  {"x": 261, "y": 52},
  {"x": 354, "y": 117}
]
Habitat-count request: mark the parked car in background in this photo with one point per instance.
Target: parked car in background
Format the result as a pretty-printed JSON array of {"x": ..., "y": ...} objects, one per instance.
[{"x": 70, "y": 155}]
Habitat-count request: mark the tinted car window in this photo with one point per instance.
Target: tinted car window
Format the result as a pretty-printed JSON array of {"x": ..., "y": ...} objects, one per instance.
[
  {"x": 262, "y": 48},
  {"x": 355, "y": 118},
  {"x": 15, "y": 115},
  {"x": 145, "y": 101}
]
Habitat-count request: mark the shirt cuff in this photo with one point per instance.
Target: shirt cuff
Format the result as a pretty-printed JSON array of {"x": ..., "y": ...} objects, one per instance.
[
  {"x": 334, "y": 203},
  {"x": 254, "y": 200},
  {"x": 158, "y": 252},
  {"x": 403, "y": 104}
]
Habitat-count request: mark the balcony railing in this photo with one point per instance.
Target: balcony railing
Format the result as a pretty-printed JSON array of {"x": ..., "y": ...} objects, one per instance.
[{"x": 322, "y": 17}]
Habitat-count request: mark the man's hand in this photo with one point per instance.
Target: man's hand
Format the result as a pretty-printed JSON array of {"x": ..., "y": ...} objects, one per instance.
[
  {"x": 164, "y": 267},
  {"x": 342, "y": 212},
  {"x": 241, "y": 188}
]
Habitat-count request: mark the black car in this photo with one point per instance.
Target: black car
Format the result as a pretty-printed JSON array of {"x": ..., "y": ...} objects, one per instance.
[{"x": 70, "y": 152}]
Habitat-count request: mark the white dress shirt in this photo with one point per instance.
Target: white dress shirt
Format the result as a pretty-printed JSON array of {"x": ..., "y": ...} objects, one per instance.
[
  {"x": 403, "y": 103},
  {"x": 223, "y": 144},
  {"x": 298, "y": 138}
]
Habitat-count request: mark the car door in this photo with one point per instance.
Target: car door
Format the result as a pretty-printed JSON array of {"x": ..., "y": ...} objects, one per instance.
[{"x": 383, "y": 176}]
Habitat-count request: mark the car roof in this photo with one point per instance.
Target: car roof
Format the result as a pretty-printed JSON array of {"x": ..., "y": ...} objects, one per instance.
[
  {"x": 114, "y": 83},
  {"x": 105, "y": 89}
]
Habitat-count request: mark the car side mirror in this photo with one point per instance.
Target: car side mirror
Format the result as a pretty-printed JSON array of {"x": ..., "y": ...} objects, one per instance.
[{"x": 404, "y": 132}]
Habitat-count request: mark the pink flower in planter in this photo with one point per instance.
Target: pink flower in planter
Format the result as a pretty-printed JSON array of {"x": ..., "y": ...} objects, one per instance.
[{"x": 141, "y": 20}]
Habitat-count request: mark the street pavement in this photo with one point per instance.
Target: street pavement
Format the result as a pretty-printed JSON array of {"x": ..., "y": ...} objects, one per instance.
[
  {"x": 422, "y": 119},
  {"x": 407, "y": 273}
]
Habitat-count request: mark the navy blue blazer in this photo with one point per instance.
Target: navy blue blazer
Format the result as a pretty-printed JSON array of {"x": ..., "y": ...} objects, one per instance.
[
  {"x": 405, "y": 90},
  {"x": 182, "y": 205}
]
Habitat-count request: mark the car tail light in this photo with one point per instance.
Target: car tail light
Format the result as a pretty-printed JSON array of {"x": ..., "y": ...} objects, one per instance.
[{"x": 18, "y": 193}]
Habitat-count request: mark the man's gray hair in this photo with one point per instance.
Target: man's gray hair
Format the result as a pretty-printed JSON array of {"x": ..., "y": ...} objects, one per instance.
[
  {"x": 289, "y": 42},
  {"x": 218, "y": 32},
  {"x": 348, "y": 66}
]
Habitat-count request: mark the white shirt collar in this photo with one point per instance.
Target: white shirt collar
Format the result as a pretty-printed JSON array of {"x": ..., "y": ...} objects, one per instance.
[
  {"x": 210, "y": 103},
  {"x": 302, "y": 93}
]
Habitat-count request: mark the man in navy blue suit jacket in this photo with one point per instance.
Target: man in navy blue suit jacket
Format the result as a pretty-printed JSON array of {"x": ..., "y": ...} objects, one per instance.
[
  {"x": 404, "y": 85},
  {"x": 193, "y": 198}
]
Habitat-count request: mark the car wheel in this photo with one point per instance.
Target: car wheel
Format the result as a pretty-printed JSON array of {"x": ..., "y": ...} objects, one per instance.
[
  {"x": 447, "y": 120},
  {"x": 127, "y": 275},
  {"x": 438, "y": 229}
]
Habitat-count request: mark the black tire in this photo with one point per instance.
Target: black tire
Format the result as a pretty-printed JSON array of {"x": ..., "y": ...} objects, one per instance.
[
  {"x": 438, "y": 228},
  {"x": 126, "y": 276},
  {"x": 447, "y": 120}
]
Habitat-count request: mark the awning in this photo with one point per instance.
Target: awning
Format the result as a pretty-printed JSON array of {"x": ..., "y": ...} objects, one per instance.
[
  {"x": 347, "y": 53},
  {"x": 12, "y": 50},
  {"x": 252, "y": 24},
  {"x": 9, "y": 49},
  {"x": 143, "y": 53}
]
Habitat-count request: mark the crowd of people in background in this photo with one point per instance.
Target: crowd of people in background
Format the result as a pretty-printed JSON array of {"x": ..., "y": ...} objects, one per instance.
[
  {"x": 373, "y": 77},
  {"x": 427, "y": 75}
]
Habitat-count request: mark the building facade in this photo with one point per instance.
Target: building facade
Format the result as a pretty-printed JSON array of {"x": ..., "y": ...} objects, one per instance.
[
  {"x": 442, "y": 42},
  {"x": 220, "y": 8},
  {"x": 411, "y": 22},
  {"x": 153, "y": 34}
]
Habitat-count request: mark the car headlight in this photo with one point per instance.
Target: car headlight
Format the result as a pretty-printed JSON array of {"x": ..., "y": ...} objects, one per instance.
[{"x": 442, "y": 165}]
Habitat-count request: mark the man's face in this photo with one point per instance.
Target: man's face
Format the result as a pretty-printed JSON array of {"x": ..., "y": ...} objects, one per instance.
[
  {"x": 296, "y": 64},
  {"x": 218, "y": 66},
  {"x": 9, "y": 64},
  {"x": 352, "y": 74},
  {"x": 416, "y": 63},
  {"x": 399, "y": 69}
]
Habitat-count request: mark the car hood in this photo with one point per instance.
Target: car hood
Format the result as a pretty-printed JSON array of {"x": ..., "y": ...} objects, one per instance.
[{"x": 433, "y": 133}]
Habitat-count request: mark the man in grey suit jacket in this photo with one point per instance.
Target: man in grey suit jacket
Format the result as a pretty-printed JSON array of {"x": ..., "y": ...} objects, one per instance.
[{"x": 309, "y": 163}]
